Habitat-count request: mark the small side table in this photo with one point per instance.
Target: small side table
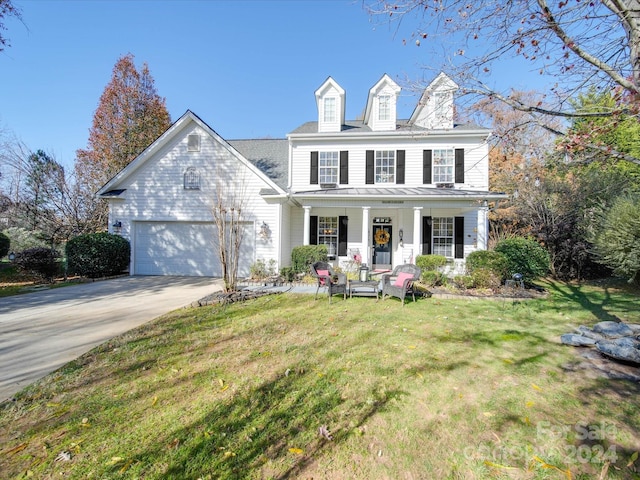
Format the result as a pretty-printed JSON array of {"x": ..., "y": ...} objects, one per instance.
[{"x": 368, "y": 288}]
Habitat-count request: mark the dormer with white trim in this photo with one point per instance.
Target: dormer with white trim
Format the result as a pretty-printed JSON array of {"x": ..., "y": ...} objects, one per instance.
[
  {"x": 330, "y": 98},
  {"x": 435, "y": 109},
  {"x": 381, "y": 112}
]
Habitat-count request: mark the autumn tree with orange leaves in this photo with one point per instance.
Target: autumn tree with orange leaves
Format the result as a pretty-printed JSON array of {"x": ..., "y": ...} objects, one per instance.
[{"x": 129, "y": 117}]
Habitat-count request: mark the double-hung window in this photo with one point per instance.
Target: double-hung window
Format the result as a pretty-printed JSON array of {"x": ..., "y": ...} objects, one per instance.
[
  {"x": 385, "y": 166},
  {"x": 384, "y": 107},
  {"x": 330, "y": 114},
  {"x": 443, "y": 236},
  {"x": 328, "y": 234},
  {"x": 443, "y": 165},
  {"x": 328, "y": 164}
]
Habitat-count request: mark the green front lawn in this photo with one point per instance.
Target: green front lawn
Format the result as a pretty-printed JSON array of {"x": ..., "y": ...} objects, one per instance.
[{"x": 288, "y": 387}]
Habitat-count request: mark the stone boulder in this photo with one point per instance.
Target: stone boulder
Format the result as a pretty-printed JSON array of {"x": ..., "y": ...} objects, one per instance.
[
  {"x": 613, "y": 329},
  {"x": 577, "y": 340},
  {"x": 621, "y": 349}
]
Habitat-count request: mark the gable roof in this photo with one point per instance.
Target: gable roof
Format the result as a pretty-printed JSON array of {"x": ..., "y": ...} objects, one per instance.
[
  {"x": 441, "y": 81},
  {"x": 270, "y": 155},
  {"x": 169, "y": 134},
  {"x": 386, "y": 80}
]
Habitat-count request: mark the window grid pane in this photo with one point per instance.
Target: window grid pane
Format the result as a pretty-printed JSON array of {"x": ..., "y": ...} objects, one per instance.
[
  {"x": 443, "y": 162},
  {"x": 328, "y": 233},
  {"x": 384, "y": 108},
  {"x": 385, "y": 166},
  {"x": 330, "y": 109},
  {"x": 328, "y": 167},
  {"x": 443, "y": 236}
]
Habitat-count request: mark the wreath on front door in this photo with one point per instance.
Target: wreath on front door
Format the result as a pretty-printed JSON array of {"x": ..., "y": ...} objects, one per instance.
[{"x": 381, "y": 237}]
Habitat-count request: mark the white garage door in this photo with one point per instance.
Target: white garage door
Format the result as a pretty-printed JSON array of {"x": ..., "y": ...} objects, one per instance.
[{"x": 186, "y": 249}]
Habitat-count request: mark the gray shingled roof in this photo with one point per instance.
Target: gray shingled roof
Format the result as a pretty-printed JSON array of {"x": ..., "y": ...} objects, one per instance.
[
  {"x": 271, "y": 155},
  {"x": 358, "y": 126}
]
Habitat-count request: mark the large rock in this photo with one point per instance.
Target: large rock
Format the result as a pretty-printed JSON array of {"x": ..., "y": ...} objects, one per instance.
[
  {"x": 635, "y": 328},
  {"x": 587, "y": 332},
  {"x": 613, "y": 329},
  {"x": 620, "y": 349},
  {"x": 577, "y": 340}
]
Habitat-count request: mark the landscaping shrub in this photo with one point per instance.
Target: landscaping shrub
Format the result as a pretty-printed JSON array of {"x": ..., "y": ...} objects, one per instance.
[
  {"x": 303, "y": 256},
  {"x": 288, "y": 274},
  {"x": 463, "y": 281},
  {"x": 490, "y": 260},
  {"x": 41, "y": 261},
  {"x": 486, "y": 278},
  {"x": 430, "y": 262},
  {"x": 525, "y": 256},
  {"x": 261, "y": 269},
  {"x": 433, "y": 278},
  {"x": 22, "y": 239},
  {"x": 98, "y": 254},
  {"x": 5, "y": 245}
]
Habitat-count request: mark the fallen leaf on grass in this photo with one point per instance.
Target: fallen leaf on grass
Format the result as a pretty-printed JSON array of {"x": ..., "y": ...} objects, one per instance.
[
  {"x": 115, "y": 460},
  {"x": 16, "y": 449},
  {"x": 544, "y": 464},
  {"x": 632, "y": 459},
  {"x": 296, "y": 451},
  {"x": 497, "y": 465},
  {"x": 126, "y": 466},
  {"x": 154, "y": 401},
  {"x": 536, "y": 387},
  {"x": 529, "y": 404}
]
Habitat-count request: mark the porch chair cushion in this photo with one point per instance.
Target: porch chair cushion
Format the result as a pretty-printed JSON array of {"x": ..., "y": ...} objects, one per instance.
[
  {"x": 402, "y": 276},
  {"x": 322, "y": 273}
]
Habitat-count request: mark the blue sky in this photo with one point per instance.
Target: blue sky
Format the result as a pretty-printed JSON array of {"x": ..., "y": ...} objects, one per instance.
[{"x": 247, "y": 68}]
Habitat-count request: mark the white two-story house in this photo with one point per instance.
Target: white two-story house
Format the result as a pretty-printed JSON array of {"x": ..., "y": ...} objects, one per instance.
[
  {"x": 390, "y": 189},
  {"x": 383, "y": 188}
]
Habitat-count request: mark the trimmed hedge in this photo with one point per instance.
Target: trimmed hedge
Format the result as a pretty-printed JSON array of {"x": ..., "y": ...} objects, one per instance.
[
  {"x": 490, "y": 260},
  {"x": 304, "y": 256},
  {"x": 525, "y": 256},
  {"x": 41, "y": 261},
  {"x": 430, "y": 262},
  {"x": 97, "y": 255},
  {"x": 5, "y": 245}
]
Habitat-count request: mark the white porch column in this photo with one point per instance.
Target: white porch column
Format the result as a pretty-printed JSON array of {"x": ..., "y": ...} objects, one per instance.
[
  {"x": 417, "y": 231},
  {"x": 482, "y": 237},
  {"x": 366, "y": 254},
  {"x": 307, "y": 225}
]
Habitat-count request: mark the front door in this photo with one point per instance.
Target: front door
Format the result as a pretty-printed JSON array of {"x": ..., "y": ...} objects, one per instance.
[{"x": 382, "y": 247}]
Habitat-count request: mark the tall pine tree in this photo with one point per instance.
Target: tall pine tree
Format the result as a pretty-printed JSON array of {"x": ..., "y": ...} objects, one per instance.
[{"x": 129, "y": 117}]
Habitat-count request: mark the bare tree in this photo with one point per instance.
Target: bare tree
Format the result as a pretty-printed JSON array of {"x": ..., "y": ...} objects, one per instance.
[
  {"x": 229, "y": 215},
  {"x": 7, "y": 9},
  {"x": 572, "y": 43}
]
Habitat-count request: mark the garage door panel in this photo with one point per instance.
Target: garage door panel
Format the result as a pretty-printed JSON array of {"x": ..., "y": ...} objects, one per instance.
[{"x": 179, "y": 248}]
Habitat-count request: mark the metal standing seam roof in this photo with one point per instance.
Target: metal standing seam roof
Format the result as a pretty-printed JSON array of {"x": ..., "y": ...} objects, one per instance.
[{"x": 447, "y": 193}]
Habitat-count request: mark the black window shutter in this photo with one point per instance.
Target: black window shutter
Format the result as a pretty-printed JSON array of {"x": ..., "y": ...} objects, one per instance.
[
  {"x": 426, "y": 166},
  {"x": 314, "y": 168},
  {"x": 313, "y": 230},
  {"x": 369, "y": 177},
  {"x": 458, "y": 236},
  {"x": 459, "y": 165},
  {"x": 400, "y": 167},
  {"x": 344, "y": 167},
  {"x": 426, "y": 235},
  {"x": 343, "y": 223}
]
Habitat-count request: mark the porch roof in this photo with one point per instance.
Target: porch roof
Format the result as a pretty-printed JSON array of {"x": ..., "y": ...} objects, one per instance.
[{"x": 404, "y": 193}]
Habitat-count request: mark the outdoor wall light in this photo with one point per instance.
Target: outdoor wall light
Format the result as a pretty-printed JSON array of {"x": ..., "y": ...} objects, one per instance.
[
  {"x": 11, "y": 256},
  {"x": 400, "y": 235},
  {"x": 264, "y": 231},
  {"x": 117, "y": 226}
]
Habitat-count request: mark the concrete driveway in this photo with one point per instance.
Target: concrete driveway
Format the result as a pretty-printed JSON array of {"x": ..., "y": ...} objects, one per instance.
[{"x": 41, "y": 331}]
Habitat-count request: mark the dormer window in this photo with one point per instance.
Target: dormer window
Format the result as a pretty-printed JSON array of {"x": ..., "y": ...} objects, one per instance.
[
  {"x": 384, "y": 108},
  {"x": 330, "y": 113},
  {"x": 191, "y": 179}
]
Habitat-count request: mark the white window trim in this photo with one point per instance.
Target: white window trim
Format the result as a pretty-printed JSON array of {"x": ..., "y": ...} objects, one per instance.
[
  {"x": 449, "y": 167},
  {"x": 330, "y": 107},
  {"x": 386, "y": 177},
  {"x": 323, "y": 158},
  {"x": 328, "y": 234},
  {"x": 441, "y": 226}
]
